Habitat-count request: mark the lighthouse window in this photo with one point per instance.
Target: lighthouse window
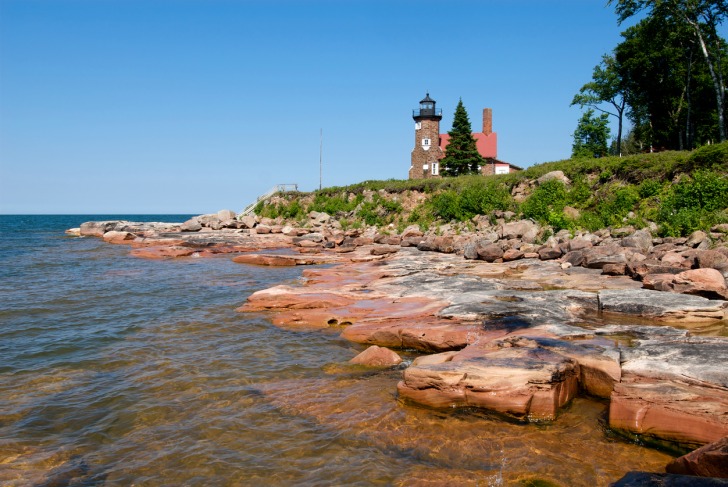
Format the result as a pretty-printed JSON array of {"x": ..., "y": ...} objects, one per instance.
[
  {"x": 435, "y": 169},
  {"x": 418, "y": 125},
  {"x": 425, "y": 141}
]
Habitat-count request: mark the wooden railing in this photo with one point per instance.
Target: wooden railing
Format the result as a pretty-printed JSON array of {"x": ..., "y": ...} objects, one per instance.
[{"x": 278, "y": 188}]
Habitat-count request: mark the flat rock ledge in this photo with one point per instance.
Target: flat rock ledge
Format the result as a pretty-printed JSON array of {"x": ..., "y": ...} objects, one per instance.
[
  {"x": 501, "y": 338},
  {"x": 520, "y": 332}
]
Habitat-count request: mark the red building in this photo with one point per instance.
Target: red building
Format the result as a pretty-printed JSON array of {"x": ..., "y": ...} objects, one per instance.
[{"x": 426, "y": 155}]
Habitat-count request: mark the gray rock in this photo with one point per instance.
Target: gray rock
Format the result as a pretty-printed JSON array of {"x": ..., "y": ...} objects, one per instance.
[
  {"x": 226, "y": 215},
  {"x": 641, "y": 240},
  {"x": 663, "y": 306},
  {"x": 697, "y": 238},
  {"x": 191, "y": 225}
]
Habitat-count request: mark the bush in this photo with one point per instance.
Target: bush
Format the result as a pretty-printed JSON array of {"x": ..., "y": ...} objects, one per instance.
[
  {"x": 548, "y": 197},
  {"x": 693, "y": 204}
]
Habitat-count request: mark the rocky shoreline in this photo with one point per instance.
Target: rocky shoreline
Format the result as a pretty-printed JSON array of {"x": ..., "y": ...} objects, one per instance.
[{"x": 503, "y": 323}]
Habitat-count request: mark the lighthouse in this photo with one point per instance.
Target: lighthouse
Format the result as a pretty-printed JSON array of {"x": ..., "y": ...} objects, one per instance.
[{"x": 426, "y": 154}]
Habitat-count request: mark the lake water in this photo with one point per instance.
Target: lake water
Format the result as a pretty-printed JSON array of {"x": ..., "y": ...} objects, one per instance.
[{"x": 122, "y": 371}]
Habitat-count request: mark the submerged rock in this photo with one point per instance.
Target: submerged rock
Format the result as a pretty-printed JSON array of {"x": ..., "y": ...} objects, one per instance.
[{"x": 375, "y": 356}]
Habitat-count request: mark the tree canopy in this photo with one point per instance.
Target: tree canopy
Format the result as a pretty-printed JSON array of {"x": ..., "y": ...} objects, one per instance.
[
  {"x": 591, "y": 135},
  {"x": 461, "y": 153}
]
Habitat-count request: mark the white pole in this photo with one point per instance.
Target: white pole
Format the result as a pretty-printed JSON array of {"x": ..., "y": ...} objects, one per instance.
[{"x": 321, "y": 151}]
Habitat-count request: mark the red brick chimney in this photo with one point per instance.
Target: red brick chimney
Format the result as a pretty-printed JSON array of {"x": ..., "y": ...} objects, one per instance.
[{"x": 487, "y": 121}]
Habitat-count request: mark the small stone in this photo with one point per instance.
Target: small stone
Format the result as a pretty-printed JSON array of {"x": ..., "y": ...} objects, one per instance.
[{"x": 376, "y": 356}]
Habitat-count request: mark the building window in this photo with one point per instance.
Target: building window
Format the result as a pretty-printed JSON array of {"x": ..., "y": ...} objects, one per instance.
[
  {"x": 424, "y": 167},
  {"x": 426, "y": 142},
  {"x": 502, "y": 169},
  {"x": 435, "y": 169},
  {"x": 418, "y": 125}
]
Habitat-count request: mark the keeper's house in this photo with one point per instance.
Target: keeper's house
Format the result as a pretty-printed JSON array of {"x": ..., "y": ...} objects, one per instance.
[{"x": 430, "y": 144}]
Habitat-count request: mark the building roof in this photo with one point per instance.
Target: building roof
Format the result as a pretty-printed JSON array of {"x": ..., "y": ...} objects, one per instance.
[{"x": 487, "y": 144}]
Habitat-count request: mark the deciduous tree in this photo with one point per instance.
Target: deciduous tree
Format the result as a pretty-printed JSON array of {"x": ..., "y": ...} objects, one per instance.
[
  {"x": 703, "y": 17},
  {"x": 606, "y": 87},
  {"x": 591, "y": 135}
]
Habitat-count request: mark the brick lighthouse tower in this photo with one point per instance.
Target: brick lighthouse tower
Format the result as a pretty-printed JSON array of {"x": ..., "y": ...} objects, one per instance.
[{"x": 427, "y": 153}]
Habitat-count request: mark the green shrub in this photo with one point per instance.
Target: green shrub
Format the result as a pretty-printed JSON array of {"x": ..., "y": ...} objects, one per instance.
[
  {"x": 693, "y": 204},
  {"x": 590, "y": 221},
  {"x": 548, "y": 197},
  {"x": 649, "y": 187},
  {"x": 446, "y": 205}
]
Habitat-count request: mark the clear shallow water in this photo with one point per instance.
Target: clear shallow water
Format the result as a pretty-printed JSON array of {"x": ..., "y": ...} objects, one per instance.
[{"x": 123, "y": 371}]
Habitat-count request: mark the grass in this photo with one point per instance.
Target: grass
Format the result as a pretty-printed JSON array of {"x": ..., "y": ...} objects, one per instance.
[{"x": 680, "y": 191}]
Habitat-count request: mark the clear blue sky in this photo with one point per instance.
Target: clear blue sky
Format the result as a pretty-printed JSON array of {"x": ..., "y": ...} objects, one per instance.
[{"x": 191, "y": 106}]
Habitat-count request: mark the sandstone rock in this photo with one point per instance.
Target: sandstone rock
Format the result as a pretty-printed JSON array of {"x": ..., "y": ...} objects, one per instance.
[
  {"x": 97, "y": 229},
  {"x": 191, "y": 225},
  {"x": 575, "y": 258},
  {"x": 76, "y": 232},
  {"x": 526, "y": 230},
  {"x": 708, "y": 461},
  {"x": 614, "y": 269},
  {"x": 549, "y": 253},
  {"x": 713, "y": 259},
  {"x": 163, "y": 252},
  {"x": 641, "y": 240},
  {"x": 490, "y": 252},
  {"x": 375, "y": 356},
  {"x": 646, "y": 479},
  {"x": 696, "y": 238},
  {"x": 598, "y": 257},
  {"x": 384, "y": 250},
  {"x": 559, "y": 175},
  {"x": 521, "y": 380},
  {"x": 572, "y": 213},
  {"x": 673, "y": 259},
  {"x": 708, "y": 283},
  {"x": 318, "y": 219},
  {"x": 117, "y": 237},
  {"x": 662, "y": 306},
  {"x": 720, "y": 228},
  {"x": 622, "y": 231},
  {"x": 512, "y": 254},
  {"x": 688, "y": 414},
  {"x": 579, "y": 243},
  {"x": 249, "y": 221},
  {"x": 412, "y": 231},
  {"x": 226, "y": 215},
  {"x": 262, "y": 229}
]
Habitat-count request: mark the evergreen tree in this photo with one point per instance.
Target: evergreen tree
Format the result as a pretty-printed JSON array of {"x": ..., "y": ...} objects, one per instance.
[
  {"x": 461, "y": 154},
  {"x": 591, "y": 135}
]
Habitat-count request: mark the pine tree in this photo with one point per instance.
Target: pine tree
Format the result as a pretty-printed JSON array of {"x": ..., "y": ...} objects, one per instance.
[{"x": 461, "y": 154}]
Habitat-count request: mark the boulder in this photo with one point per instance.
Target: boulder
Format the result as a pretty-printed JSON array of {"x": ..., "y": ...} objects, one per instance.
[
  {"x": 549, "y": 253},
  {"x": 579, "y": 243},
  {"x": 558, "y": 175},
  {"x": 526, "y": 230},
  {"x": 375, "y": 356},
  {"x": 223, "y": 215},
  {"x": 697, "y": 238},
  {"x": 384, "y": 250},
  {"x": 515, "y": 378},
  {"x": 97, "y": 229},
  {"x": 114, "y": 236},
  {"x": 249, "y": 221},
  {"x": 713, "y": 259},
  {"x": 512, "y": 254},
  {"x": 710, "y": 460},
  {"x": 191, "y": 225},
  {"x": 262, "y": 229},
  {"x": 411, "y": 231},
  {"x": 489, "y": 252},
  {"x": 708, "y": 283},
  {"x": 640, "y": 240},
  {"x": 598, "y": 257},
  {"x": 319, "y": 219}
]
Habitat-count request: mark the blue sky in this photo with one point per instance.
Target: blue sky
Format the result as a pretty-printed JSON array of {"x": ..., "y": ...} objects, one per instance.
[{"x": 191, "y": 106}]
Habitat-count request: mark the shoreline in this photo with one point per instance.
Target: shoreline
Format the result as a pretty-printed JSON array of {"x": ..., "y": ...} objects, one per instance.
[{"x": 521, "y": 338}]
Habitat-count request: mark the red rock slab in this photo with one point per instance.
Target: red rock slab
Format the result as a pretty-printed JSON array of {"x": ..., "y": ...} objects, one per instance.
[
  {"x": 362, "y": 309},
  {"x": 162, "y": 252},
  {"x": 687, "y": 414},
  {"x": 286, "y": 297},
  {"x": 351, "y": 275},
  {"x": 278, "y": 260},
  {"x": 157, "y": 242},
  {"x": 707, "y": 461},
  {"x": 427, "y": 334},
  {"x": 525, "y": 383}
]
